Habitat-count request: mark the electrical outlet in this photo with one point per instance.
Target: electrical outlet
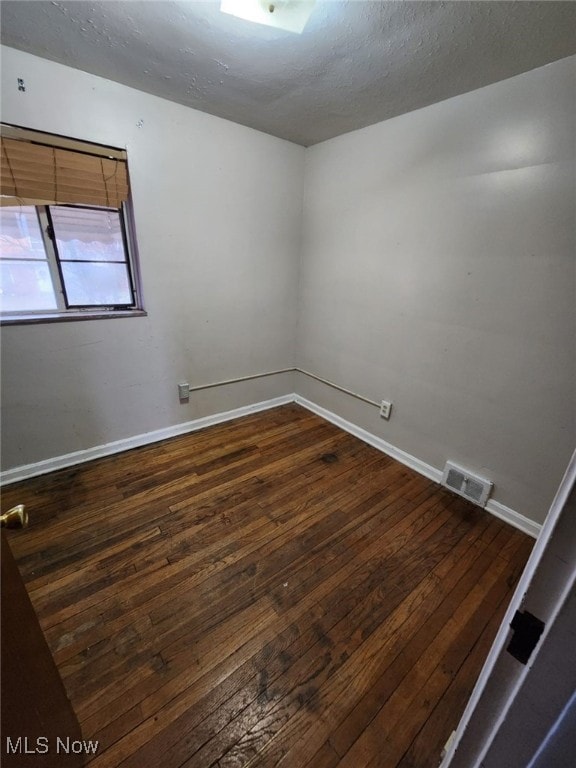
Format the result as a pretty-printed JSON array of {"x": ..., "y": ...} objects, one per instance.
[
  {"x": 184, "y": 391},
  {"x": 385, "y": 409}
]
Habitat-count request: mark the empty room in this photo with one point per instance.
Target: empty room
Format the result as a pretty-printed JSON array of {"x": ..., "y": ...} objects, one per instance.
[{"x": 288, "y": 414}]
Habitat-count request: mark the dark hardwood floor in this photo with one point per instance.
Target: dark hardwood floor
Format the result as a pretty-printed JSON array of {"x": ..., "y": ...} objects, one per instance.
[{"x": 267, "y": 592}]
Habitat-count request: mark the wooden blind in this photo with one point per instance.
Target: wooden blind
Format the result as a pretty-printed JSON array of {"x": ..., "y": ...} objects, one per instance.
[{"x": 41, "y": 174}]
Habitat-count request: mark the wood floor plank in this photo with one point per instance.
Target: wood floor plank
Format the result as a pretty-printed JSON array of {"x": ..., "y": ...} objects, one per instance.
[
  {"x": 349, "y": 524},
  {"x": 324, "y": 638},
  {"x": 202, "y": 549},
  {"x": 354, "y": 676},
  {"x": 292, "y": 615},
  {"x": 439, "y": 724},
  {"x": 459, "y": 572},
  {"x": 391, "y": 724},
  {"x": 265, "y": 592},
  {"x": 311, "y": 598},
  {"x": 242, "y": 579}
]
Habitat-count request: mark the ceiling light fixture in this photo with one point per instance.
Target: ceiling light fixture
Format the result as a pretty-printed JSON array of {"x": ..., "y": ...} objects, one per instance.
[{"x": 290, "y": 15}]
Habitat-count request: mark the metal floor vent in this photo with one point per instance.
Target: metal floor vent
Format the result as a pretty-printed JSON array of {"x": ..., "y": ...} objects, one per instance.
[{"x": 474, "y": 488}]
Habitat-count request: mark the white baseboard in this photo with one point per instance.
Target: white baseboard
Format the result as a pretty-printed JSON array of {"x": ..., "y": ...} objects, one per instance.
[
  {"x": 514, "y": 518},
  {"x": 377, "y": 442},
  {"x": 80, "y": 457},
  {"x": 432, "y": 473}
]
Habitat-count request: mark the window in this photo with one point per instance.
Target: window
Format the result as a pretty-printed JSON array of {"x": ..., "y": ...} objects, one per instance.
[{"x": 66, "y": 249}]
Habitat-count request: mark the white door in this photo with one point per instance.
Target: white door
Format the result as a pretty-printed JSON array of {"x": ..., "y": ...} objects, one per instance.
[{"x": 515, "y": 708}]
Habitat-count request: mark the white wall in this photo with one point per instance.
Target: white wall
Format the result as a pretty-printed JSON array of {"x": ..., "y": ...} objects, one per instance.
[
  {"x": 438, "y": 271},
  {"x": 218, "y": 212}
]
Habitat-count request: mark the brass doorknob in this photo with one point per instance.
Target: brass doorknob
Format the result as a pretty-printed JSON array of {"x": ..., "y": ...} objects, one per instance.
[{"x": 17, "y": 517}]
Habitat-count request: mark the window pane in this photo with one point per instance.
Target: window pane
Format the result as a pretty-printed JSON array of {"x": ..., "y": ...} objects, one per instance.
[
  {"x": 96, "y": 284},
  {"x": 88, "y": 234},
  {"x": 25, "y": 286},
  {"x": 20, "y": 235}
]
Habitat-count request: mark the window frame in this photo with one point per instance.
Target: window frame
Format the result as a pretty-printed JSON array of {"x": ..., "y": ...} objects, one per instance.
[
  {"x": 51, "y": 234},
  {"x": 66, "y": 311},
  {"x": 120, "y": 195}
]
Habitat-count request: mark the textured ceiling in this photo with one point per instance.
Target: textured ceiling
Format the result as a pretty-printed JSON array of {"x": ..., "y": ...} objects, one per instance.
[{"x": 357, "y": 62}]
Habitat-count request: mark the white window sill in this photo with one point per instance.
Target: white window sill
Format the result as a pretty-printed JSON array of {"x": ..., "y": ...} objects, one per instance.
[{"x": 67, "y": 317}]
